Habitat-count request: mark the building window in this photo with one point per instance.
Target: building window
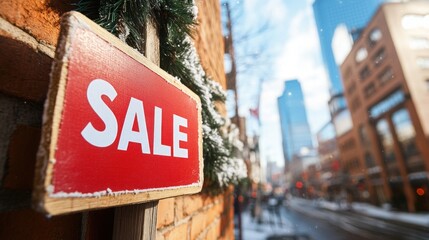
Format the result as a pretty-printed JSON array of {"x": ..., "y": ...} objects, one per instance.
[
  {"x": 413, "y": 21},
  {"x": 386, "y": 141},
  {"x": 364, "y": 73},
  {"x": 423, "y": 62},
  {"x": 363, "y": 135},
  {"x": 386, "y": 75},
  {"x": 386, "y": 104},
  {"x": 337, "y": 104},
  {"x": 227, "y": 62},
  {"x": 410, "y": 21},
  {"x": 406, "y": 133},
  {"x": 418, "y": 43},
  {"x": 369, "y": 160},
  {"x": 361, "y": 54},
  {"x": 374, "y": 36},
  {"x": 379, "y": 57},
  {"x": 343, "y": 122},
  {"x": 369, "y": 90}
]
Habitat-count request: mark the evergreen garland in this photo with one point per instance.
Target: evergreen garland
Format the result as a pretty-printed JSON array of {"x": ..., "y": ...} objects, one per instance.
[{"x": 175, "y": 21}]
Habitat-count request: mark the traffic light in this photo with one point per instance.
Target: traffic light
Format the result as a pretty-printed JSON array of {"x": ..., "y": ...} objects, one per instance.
[{"x": 420, "y": 191}]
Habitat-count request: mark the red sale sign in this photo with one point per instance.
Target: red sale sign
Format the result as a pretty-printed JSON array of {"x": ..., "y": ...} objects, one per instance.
[{"x": 117, "y": 130}]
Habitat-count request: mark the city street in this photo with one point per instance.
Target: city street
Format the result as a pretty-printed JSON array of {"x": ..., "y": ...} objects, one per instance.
[
  {"x": 214, "y": 119},
  {"x": 310, "y": 222}
]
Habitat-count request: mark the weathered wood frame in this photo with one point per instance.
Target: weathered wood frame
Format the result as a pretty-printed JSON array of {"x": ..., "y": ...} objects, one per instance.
[{"x": 42, "y": 201}]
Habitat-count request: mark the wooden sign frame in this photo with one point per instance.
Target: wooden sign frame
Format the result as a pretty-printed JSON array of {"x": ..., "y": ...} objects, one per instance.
[{"x": 43, "y": 200}]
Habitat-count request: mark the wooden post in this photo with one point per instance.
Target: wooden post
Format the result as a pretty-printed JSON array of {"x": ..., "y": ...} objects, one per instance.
[
  {"x": 139, "y": 221},
  {"x": 136, "y": 221}
]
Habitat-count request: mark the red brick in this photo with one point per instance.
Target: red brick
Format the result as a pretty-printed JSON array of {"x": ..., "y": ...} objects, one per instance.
[
  {"x": 165, "y": 212},
  {"x": 24, "y": 72},
  {"x": 159, "y": 236},
  {"x": 27, "y": 224},
  {"x": 192, "y": 204},
  {"x": 214, "y": 232},
  {"x": 178, "y": 215},
  {"x": 22, "y": 158},
  {"x": 221, "y": 202},
  {"x": 179, "y": 232},
  {"x": 227, "y": 234},
  {"x": 209, "y": 40},
  {"x": 199, "y": 223},
  {"x": 207, "y": 200},
  {"x": 213, "y": 213},
  {"x": 227, "y": 216},
  {"x": 39, "y": 18}
]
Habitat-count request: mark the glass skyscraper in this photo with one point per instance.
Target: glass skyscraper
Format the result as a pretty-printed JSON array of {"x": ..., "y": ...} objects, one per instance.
[
  {"x": 296, "y": 133},
  {"x": 330, "y": 14}
]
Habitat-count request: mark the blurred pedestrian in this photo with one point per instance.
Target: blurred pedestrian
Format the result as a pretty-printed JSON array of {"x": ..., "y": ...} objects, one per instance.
[{"x": 274, "y": 209}]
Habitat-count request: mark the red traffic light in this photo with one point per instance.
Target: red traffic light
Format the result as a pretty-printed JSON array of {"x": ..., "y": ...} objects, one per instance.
[{"x": 420, "y": 191}]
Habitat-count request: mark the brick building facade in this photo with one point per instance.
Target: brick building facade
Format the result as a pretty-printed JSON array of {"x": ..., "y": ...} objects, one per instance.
[
  {"x": 386, "y": 83},
  {"x": 28, "y": 34}
]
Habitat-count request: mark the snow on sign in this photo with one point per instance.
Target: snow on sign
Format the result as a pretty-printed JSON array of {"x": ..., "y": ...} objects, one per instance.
[{"x": 117, "y": 129}]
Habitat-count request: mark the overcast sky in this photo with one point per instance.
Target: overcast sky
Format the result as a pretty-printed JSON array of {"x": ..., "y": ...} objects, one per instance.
[{"x": 295, "y": 54}]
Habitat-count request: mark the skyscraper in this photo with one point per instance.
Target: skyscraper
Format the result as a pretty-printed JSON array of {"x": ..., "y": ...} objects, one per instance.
[
  {"x": 296, "y": 133},
  {"x": 339, "y": 23},
  {"x": 331, "y": 14}
]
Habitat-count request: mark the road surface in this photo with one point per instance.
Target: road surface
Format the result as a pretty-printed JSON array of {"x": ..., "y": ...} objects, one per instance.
[{"x": 310, "y": 222}]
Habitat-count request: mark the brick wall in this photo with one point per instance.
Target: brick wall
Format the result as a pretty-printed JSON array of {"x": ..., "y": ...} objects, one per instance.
[
  {"x": 209, "y": 39},
  {"x": 28, "y": 34},
  {"x": 196, "y": 217}
]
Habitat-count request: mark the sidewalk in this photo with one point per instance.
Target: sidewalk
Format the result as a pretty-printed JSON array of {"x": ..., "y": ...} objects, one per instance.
[
  {"x": 416, "y": 219},
  {"x": 270, "y": 226},
  {"x": 252, "y": 230}
]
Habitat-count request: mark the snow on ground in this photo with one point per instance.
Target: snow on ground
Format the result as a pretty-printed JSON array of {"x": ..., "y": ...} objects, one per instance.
[
  {"x": 421, "y": 219},
  {"x": 252, "y": 230}
]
